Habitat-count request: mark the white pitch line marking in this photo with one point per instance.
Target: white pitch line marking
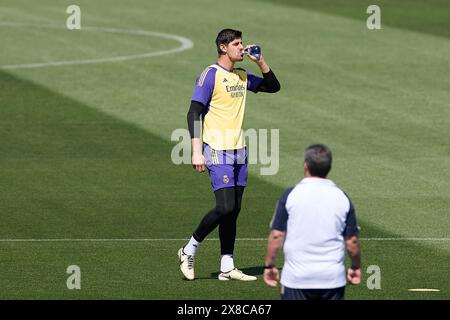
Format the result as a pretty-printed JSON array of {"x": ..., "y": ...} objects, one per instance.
[
  {"x": 185, "y": 239},
  {"x": 186, "y": 44},
  {"x": 424, "y": 290}
]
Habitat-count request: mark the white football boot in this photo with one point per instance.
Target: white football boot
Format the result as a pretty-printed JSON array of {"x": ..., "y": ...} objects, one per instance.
[
  {"x": 186, "y": 264},
  {"x": 235, "y": 274}
]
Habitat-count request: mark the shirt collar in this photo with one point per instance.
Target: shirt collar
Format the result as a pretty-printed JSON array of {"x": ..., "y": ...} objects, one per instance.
[
  {"x": 230, "y": 71},
  {"x": 315, "y": 180}
]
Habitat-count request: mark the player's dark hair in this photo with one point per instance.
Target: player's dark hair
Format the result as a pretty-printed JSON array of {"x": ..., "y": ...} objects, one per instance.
[
  {"x": 318, "y": 160},
  {"x": 226, "y": 36}
]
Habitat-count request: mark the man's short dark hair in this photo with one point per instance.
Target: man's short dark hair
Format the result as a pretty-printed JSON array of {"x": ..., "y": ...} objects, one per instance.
[
  {"x": 318, "y": 159},
  {"x": 226, "y": 36}
]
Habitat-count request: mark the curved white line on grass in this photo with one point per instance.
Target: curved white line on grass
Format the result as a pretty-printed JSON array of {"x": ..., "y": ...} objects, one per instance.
[
  {"x": 186, "y": 44},
  {"x": 185, "y": 239}
]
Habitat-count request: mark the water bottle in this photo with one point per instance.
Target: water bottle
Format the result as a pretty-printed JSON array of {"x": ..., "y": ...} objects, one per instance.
[{"x": 254, "y": 51}]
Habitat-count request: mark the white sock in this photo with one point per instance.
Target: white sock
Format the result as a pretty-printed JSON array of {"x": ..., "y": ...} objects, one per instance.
[
  {"x": 191, "y": 247},
  {"x": 226, "y": 263}
]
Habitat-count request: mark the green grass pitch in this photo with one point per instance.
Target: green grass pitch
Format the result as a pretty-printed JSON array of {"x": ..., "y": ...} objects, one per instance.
[{"x": 85, "y": 149}]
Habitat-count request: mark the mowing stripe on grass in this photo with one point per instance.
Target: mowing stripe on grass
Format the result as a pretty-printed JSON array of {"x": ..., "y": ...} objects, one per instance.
[{"x": 212, "y": 239}]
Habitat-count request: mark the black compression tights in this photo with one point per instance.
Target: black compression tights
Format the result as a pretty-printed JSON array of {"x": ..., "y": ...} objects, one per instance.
[{"x": 228, "y": 205}]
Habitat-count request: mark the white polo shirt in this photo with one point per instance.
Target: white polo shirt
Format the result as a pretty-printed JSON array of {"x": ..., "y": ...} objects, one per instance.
[{"x": 316, "y": 215}]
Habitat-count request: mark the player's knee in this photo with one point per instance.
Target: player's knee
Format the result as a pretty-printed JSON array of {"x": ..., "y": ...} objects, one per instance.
[{"x": 226, "y": 209}]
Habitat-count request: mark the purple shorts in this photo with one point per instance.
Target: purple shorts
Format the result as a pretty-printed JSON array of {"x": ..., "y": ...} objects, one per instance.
[{"x": 227, "y": 168}]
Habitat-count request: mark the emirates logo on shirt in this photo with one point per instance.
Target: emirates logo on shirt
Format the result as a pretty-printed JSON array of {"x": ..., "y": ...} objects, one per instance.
[
  {"x": 238, "y": 87},
  {"x": 236, "y": 91}
]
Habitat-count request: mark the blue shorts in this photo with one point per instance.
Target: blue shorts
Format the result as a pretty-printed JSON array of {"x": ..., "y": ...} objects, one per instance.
[
  {"x": 312, "y": 294},
  {"x": 227, "y": 168}
]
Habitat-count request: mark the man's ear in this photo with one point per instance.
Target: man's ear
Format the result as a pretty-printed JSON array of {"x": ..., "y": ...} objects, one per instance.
[
  {"x": 223, "y": 48},
  {"x": 305, "y": 167}
]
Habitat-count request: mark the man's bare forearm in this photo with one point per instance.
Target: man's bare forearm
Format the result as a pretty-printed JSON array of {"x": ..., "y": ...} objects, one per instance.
[
  {"x": 354, "y": 251},
  {"x": 263, "y": 66},
  {"x": 196, "y": 145},
  {"x": 275, "y": 243}
]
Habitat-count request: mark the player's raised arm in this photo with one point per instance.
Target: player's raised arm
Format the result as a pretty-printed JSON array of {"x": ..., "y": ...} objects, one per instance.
[{"x": 269, "y": 83}]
